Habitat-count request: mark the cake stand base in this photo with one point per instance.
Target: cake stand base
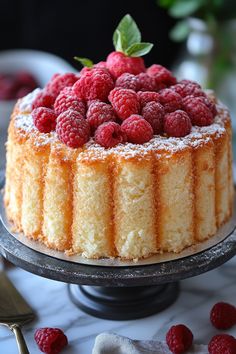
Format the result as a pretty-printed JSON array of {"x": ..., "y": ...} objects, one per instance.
[{"x": 125, "y": 303}]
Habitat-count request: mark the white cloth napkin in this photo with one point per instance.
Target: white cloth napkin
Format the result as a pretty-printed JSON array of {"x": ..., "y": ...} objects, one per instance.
[{"x": 111, "y": 343}]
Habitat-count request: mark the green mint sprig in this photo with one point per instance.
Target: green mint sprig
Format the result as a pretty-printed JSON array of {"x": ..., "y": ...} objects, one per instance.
[
  {"x": 127, "y": 38},
  {"x": 85, "y": 62}
]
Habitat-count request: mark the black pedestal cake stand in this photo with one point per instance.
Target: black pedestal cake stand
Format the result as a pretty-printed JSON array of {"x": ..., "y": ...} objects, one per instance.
[{"x": 118, "y": 293}]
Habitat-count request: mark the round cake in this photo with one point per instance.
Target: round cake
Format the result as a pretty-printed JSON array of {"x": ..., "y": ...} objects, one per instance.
[{"x": 160, "y": 182}]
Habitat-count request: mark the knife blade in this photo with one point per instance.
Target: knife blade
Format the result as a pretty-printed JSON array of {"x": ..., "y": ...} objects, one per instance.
[
  {"x": 12, "y": 305},
  {"x": 14, "y": 311}
]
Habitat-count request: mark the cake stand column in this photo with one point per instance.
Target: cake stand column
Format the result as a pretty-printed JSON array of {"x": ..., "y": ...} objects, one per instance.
[{"x": 123, "y": 303}]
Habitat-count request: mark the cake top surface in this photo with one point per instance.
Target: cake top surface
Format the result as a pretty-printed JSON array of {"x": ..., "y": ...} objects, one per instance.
[{"x": 198, "y": 135}]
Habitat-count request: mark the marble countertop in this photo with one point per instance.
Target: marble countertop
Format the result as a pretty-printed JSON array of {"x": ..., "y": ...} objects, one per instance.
[{"x": 54, "y": 309}]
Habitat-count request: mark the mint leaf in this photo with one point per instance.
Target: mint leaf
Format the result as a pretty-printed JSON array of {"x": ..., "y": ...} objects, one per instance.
[
  {"x": 139, "y": 49},
  {"x": 119, "y": 41},
  {"x": 84, "y": 61},
  {"x": 129, "y": 32}
]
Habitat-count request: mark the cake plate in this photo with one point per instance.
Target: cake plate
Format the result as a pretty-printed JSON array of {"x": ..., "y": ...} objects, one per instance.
[{"x": 118, "y": 293}]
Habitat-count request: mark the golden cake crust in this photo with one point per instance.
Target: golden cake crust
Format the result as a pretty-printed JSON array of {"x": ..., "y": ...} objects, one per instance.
[{"x": 130, "y": 201}]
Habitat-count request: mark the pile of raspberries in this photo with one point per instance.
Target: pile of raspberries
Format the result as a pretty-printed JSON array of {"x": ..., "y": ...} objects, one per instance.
[
  {"x": 120, "y": 101},
  {"x": 179, "y": 338}
]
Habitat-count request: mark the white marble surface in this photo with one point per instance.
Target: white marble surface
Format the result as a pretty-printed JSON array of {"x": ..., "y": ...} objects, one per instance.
[{"x": 50, "y": 300}]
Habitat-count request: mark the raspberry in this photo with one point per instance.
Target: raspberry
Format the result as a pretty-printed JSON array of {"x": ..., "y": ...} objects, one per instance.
[
  {"x": 68, "y": 90},
  {"x": 101, "y": 64},
  {"x": 50, "y": 340},
  {"x": 179, "y": 339},
  {"x": 64, "y": 102},
  {"x": 177, "y": 124},
  {"x": 44, "y": 119},
  {"x": 154, "y": 113},
  {"x": 187, "y": 82},
  {"x": 118, "y": 63},
  {"x": 43, "y": 99},
  {"x": 198, "y": 112},
  {"x": 109, "y": 134},
  {"x": 137, "y": 129},
  {"x": 145, "y": 97},
  {"x": 72, "y": 129},
  {"x": 211, "y": 105},
  {"x": 94, "y": 84},
  {"x": 170, "y": 100},
  {"x": 188, "y": 89},
  {"x": 146, "y": 82},
  {"x": 84, "y": 70},
  {"x": 98, "y": 113},
  {"x": 163, "y": 77},
  {"x": 128, "y": 81},
  {"x": 124, "y": 101},
  {"x": 223, "y": 315},
  {"x": 222, "y": 344},
  {"x": 58, "y": 82}
]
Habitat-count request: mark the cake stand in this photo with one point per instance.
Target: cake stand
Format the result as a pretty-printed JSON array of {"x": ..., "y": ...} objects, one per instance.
[{"x": 118, "y": 293}]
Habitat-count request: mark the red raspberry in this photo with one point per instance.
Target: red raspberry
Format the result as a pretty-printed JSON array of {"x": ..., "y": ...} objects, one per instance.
[
  {"x": 84, "y": 70},
  {"x": 68, "y": 90},
  {"x": 163, "y": 77},
  {"x": 101, "y": 64},
  {"x": 154, "y": 113},
  {"x": 137, "y": 129},
  {"x": 170, "y": 100},
  {"x": 211, "y": 105},
  {"x": 188, "y": 89},
  {"x": 146, "y": 82},
  {"x": 187, "y": 82},
  {"x": 177, "y": 124},
  {"x": 198, "y": 112},
  {"x": 109, "y": 134},
  {"x": 58, "y": 82},
  {"x": 223, "y": 315},
  {"x": 72, "y": 129},
  {"x": 50, "y": 340},
  {"x": 128, "y": 81},
  {"x": 124, "y": 101},
  {"x": 98, "y": 113},
  {"x": 44, "y": 119},
  {"x": 64, "y": 102},
  {"x": 43, "y": 99},
  {"x": 118, "y": 63},
  {"x": 222, "y": 344},
  {"x": 94, "y": 84},
  {"x": 179, "y": 339},
  {"x": 145, "y": 97}
]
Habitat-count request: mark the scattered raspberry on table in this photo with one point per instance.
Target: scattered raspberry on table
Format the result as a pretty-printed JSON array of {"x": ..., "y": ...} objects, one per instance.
[
  {"x": 179, "y": 339},
  {"x": 50, "y": 340}
]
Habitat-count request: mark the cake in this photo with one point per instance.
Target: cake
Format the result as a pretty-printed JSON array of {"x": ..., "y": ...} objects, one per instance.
[{"x": 161, "y": 190}]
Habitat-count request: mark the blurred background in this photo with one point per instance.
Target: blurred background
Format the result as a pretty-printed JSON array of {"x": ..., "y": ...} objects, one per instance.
[{"x": 195, "y": 38}]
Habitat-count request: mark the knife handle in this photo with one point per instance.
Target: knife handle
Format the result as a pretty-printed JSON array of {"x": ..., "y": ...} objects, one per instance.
[{"x": 22, "y": 347}]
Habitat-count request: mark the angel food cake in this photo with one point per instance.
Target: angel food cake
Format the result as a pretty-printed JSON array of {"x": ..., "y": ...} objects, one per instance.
[{"x": 119, "y": 160}]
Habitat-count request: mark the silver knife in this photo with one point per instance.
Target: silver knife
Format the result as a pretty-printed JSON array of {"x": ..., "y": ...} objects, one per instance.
[{"x": 14, "y": 311}]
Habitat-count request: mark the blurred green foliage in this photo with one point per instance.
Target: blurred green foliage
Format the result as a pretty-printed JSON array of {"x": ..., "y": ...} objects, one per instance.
[{"x": 210, "y": 11}]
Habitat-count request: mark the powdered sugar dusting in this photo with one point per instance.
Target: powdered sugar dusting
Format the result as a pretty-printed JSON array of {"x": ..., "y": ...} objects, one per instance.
[
  {"x": 25, "y": 122},
  {"x": 25, "y": 104},
  {"x": 197, "y": 137}
]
